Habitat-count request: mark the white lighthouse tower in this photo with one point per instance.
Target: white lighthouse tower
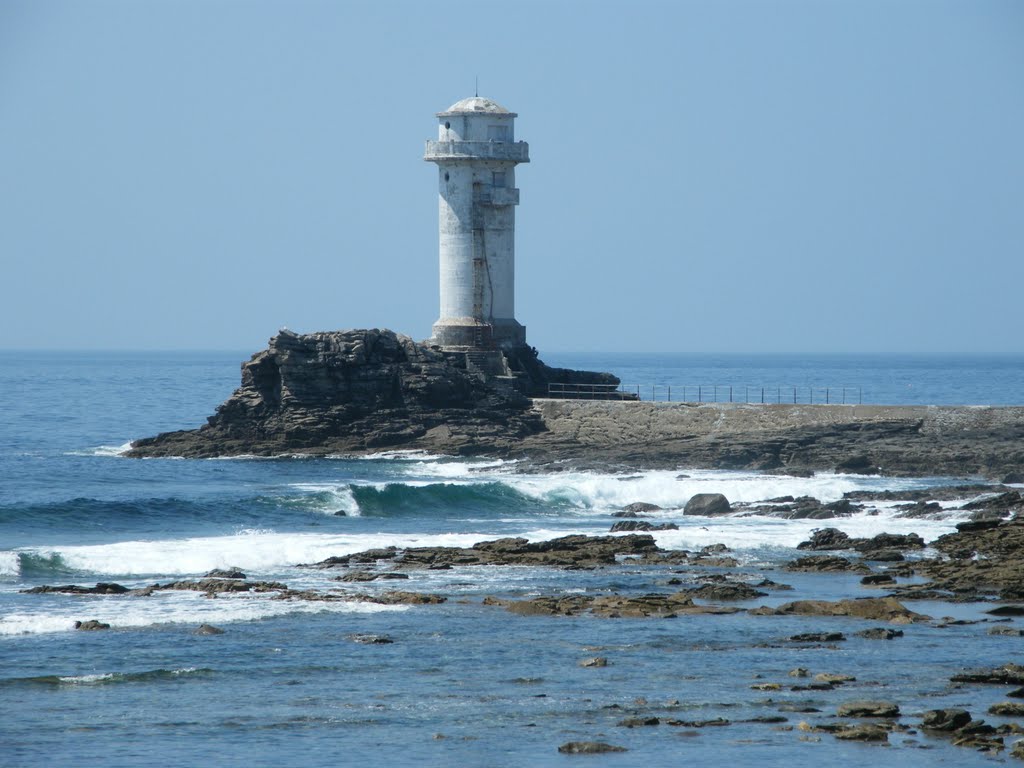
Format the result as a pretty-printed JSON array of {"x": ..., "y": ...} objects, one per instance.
[{"x": 476, "y": 155}]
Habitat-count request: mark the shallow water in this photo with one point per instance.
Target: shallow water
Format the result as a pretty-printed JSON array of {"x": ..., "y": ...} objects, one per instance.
[{"x": 463, "y": 683}]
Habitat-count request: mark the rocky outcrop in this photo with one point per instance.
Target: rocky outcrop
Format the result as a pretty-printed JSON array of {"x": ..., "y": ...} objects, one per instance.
[
  {"x": 360, "y": 391},
  {"x": 575, "y": 551},
  {"x": 363, "y": 390}
]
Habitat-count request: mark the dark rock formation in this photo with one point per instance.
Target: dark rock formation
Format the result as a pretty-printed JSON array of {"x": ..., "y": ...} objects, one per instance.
[
  {"x": 707, "y": 505},
  {"x": 875, "y": 608},
  {"x": 588, "y": 748},
  {"x": 880, "y": 633},
  {"x": 575, "y": 551},
  {"x": 101, "y": 588},
  {"x": 868, "y": 709},
  {"x": 362, "y": 390},
  {"x": 611, "y": 606},
  {"x": 642, "y": 525},
  {"x": 91, "y": 625}
]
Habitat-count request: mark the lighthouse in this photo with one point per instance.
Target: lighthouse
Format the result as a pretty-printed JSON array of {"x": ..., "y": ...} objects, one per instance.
[{"x": 476, "y": 155}]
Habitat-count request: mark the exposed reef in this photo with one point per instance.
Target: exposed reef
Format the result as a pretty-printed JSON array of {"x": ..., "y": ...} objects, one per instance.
[{"x": 363, "y": 391}]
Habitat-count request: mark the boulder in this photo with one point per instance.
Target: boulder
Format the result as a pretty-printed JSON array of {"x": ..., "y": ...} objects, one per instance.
[
  {"x": 637, "y": 508},
  {"x": 91, "y": 625},
  {"x": 825, "y": 564},
  {"x": 880, "y": 633},
  {"x": 868, "y": 709},
  {"x": 826, "y": 539},
  {"x": 641, "y": 525},
  {"x": 596, "y": 661},
  {"x": 707, "y": 505},
  {"x": 945, "y": 720},
  {"x": 818, "y": 637},
  {"x": 588, "y": 748},
  {"x": 230, "y": 573},
  {"x": 1007, "y": 709}
]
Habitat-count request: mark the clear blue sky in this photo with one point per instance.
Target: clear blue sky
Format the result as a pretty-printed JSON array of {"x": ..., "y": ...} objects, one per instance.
[{"x": 706, "y": 175}]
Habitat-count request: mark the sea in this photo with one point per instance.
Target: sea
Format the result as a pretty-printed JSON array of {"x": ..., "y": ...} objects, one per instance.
[{"x": 463, "y": 683}]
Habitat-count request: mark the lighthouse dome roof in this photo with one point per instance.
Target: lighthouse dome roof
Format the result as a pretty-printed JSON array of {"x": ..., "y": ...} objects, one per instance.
[{"x": 476, "y": 105}]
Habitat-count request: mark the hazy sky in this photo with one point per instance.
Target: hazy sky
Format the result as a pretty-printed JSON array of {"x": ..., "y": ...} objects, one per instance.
[{"x": 737, "y": 176}]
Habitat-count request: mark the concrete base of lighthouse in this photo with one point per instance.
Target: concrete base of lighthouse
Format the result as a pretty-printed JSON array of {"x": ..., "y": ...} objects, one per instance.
[{"x": 468, "y": 333}]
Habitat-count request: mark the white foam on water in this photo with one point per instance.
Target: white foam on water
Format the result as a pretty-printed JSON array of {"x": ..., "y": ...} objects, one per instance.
[
  {"x": 602, "y": 493},
  {"x": 337, "y": 498},
  {"x": 253, "y": 551},
  {"x": 103, "y": 450},
  {"x": 473, "y": 471},
  {"x": 170, "y": 608},
  {"x": 9, "y": 564}
]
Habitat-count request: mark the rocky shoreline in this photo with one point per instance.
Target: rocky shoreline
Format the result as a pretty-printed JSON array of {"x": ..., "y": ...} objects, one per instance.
[
  {"x": 363, "y": 391},
  {"x": 981, "y": 563}
]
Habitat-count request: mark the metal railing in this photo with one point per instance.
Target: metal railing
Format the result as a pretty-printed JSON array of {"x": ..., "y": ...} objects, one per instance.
[{"x": 701, "y": 393}]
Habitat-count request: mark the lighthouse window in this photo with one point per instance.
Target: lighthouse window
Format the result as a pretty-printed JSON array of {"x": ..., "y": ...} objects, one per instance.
[
  {"x": 447, "y": 125},
  {"x": 498, "y": 179},
  {"x": 446, "y": 175},
  {"x": 497, "y": 133}
]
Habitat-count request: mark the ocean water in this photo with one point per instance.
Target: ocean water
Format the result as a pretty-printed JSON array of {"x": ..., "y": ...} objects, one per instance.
[{"x": 463, "y": 683}]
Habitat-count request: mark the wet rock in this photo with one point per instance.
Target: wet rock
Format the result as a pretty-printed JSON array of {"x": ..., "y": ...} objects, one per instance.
[
  {"x": 1007, "y": 709},
  {"x": 818, "y": 637},
  {"x": 611, "y": 606},
  {"x": 1014, "y": 478},
  {"x": 886, "y": 541},
  {"x": 876, "y": 608},
  {"x": 826, "y": 564},
  {"x": 919, "y": 509},
  {"x": 364, "y": 576},
  {"x": 832, "y": 678},
  {"x": 717, "y": 722},
  {"x": 884, "y": 556},
  {"x": 576, "y": 551},
  {"x": 213, "y": 586},
  {"x": 91, "y": 625},
  {"x": 868, "y": 709},
  {"x": 826, "y": 539},
  {"x": 230, "y": 573},
  {"x": 208, "y": 629},
  {"x": 798, "y": 672},
  {"x": 713, "y": 549},
  {"x": 880, "y": 633},
  {"x": 725, "y": 592},
  {"x": 400, "y": 597},
  {"x": 707, "y": 505},
  {"x": 1005, "y": 501},
  {"x": 101, "y": 588},
  {"x": 639, "y": 722},
  {"x": 642, "y": 525},
  {"x": 809, "y": 508},
  {"x": 596, "y": 661},
  {"x": 877, "y": 580},
  {"x": 766, "y": 687},
  {"x": 867, "y": 733},
  {"x": 1007, "y": 610},
  {"x": 1008, "y": 674},
  {"x": 1006, "y": 631},
  {"x": 860, "y": 464},
  {"x": 637, "y": 508},
  {"x": 945, "y": 720},
  {"x": 589, "y": 748},
  {"x": 369, "y": 639}
]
